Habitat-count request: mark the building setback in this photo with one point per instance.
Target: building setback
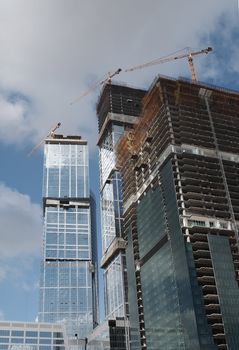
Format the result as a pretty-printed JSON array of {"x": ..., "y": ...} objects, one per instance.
[
  {"x": 68, "y": 285},
  {"x": 180, "y": 175}
]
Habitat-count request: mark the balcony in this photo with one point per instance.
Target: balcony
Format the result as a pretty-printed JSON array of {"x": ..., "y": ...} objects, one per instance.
[
  {"x": 222, "y": 347},
  {"x": 200, "y": 245},
  {"x": 217, "y": 328},
  {"x": 203, "y": 262},
  {"x": 210, "y": 280},
  {"x": 214, "y": 308},
  {"x": 211, "y": 298},
  {"x": 215, "y": 318},
  {"x": 219, "y": 336},
  {"x": 205, "y": 271},
  {"x": 200, "y": 253},
  {"x": 209, "y": 289}
]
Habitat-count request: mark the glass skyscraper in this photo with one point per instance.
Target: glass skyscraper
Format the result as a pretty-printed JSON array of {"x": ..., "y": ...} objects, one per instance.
[
  {"x": 118, "y": 109},
  {"x": 68, "y": 285}
]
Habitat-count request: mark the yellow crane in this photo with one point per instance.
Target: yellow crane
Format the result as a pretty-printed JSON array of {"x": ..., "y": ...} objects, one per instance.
[
  {"x": 51, "y": 134},
  {"x": 189, "y": 55},
  {"x": 108, "y": 78}
]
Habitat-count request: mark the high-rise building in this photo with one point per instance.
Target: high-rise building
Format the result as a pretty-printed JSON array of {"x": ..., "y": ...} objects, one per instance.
[
  {"x": 68, "y": 285},
  {"x": 32, "y": 336},
  {"x": 180, "y": 176},
  {"x": 118, "y": 108}
]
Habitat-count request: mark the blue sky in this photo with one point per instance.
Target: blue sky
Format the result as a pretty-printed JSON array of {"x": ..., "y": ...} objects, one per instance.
[{"x": 51, "y": 52}]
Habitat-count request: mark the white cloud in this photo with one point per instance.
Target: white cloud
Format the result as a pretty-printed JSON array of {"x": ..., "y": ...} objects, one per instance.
[
  {"x": 15, "y": 121},
  {"x": 51, "y": 51},
  {"x": 20, "y": 222},
  {"x": 20, "y": 238}
]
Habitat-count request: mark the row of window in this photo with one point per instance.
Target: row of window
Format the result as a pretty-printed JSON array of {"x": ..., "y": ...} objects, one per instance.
[
  {"x": 62, "y": 241},
  {"x": 67, "y": 254},
  {"x": 30, "y": 347},
  {"x": 18, "y": 333},
  {"x": 70, "y": 216},
  {"x": 31, "y": 340},
  {"x": 223, "y": 225}
]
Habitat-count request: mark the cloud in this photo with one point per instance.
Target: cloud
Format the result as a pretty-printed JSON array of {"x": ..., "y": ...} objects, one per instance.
[
  {"x": 52, "y": 51},
  {"x": 20, "y": 238},
  {"x": 20, "y": 222},
  {"x": 222, "y": 66},
  {"x": 15, "y": 120}
]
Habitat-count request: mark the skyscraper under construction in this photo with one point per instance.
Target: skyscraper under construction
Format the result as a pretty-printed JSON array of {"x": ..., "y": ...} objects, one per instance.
[
  {"x": 118, "y": 109},
  {"x": 180, "y": 175}
]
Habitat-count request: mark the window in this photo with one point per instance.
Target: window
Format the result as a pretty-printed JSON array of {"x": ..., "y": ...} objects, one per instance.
[
  {"x": 4, "y": 332},
  {"x": 45, "y": 341},
  {"x": 223, "y": 225},
  {"x": 17, "y": 333},
  {"x": 196, "y": 223},
  {"x": 17, "y": 340},
  {"x": 31, "y": 341},
  {"x": 45, "y": 334},
  {"x": 57, "y": 335},
  {"x": 31, "y": 334}
]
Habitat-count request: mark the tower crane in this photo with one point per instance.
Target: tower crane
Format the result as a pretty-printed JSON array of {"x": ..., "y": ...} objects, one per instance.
[
  {"x": 98, "y": 83},
  {"x": 188, "y": 55},
  {"x": 51, "y": 134}
]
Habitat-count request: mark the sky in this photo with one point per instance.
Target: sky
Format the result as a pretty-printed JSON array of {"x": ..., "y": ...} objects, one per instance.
[{"x": 51, "y": 52}]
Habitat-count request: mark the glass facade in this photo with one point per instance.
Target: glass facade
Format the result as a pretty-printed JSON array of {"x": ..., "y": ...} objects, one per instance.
[
  {"x": 68, "y": 285},
  {"x": 118, "y": 109},
  {"x": 109, "y": 335},
  {"x": 113, "y": 287},
  {"x": 66, "y": 170},
  {"x": 227, "y": 288},
  {"x": 132, "y": 294},
  {"x": 67, "y": 232},
  {"x": 163, "y": 324},
  {"x": 112, "y": 221},
  {"x": 111, "y": 208},
  {"x": 31, "y": 336}
]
